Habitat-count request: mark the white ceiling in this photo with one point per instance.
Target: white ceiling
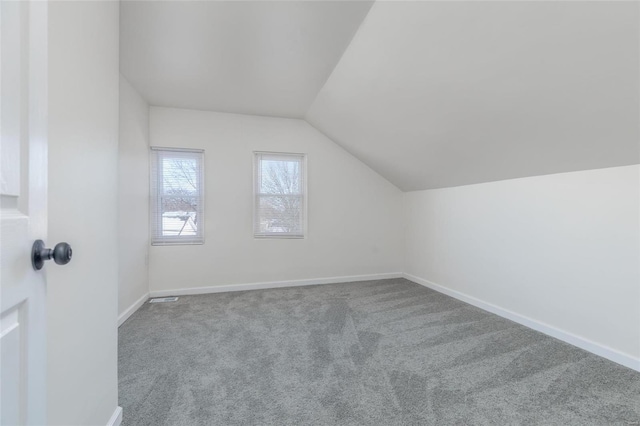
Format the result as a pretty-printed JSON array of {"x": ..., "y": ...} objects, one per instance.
[
  {"x": 429, "y": 94},
  {"x": 265, "y": 58},
  {"x": 439, "y": 94}
]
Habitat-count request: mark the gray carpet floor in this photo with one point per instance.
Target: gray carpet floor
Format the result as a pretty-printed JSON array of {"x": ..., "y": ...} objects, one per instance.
[{"x": 386, "y": 352}]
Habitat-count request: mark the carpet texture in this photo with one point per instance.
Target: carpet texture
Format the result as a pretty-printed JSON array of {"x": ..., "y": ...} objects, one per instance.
[{"x": 386, "y": 352}]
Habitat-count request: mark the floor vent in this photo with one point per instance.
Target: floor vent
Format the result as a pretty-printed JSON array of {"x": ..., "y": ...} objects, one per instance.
[{"x": 163, "y": 299}]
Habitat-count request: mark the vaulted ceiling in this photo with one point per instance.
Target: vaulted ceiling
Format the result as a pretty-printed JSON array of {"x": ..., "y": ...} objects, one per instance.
[
  {"x": 429, "y": 94},
  {"x": 248, "y": 57}
]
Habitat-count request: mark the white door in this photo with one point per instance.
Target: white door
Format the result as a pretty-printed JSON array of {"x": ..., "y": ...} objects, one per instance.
[{"x": 23, "y": 210}]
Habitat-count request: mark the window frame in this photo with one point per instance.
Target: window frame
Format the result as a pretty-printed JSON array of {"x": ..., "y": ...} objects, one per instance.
[
  {"x": 156, "y": 188},
  {"x": 256, "y": 195}
]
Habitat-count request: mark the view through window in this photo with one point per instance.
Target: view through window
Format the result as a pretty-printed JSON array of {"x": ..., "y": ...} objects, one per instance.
[
  {"x": 177, "y": 191},
  {"x": 279, "y": 195}
]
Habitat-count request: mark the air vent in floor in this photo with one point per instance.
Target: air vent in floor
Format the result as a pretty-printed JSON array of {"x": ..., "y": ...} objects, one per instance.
[{"x": 163, "y": 299}]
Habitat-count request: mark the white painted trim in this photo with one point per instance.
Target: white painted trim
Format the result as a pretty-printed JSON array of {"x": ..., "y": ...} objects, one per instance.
[
  {"x": 588, "y": 345},
  {"x": 131, "y": 309},
  {"x": 116, "y": 418},
  {"x": 272, "y": 284}
]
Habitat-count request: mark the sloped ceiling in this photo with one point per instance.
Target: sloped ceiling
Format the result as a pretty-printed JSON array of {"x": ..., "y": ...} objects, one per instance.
[
  {"x": 439, "y": 94},
  {"x": 250, "y": 57},
  {"x": 429, "y": 94}
]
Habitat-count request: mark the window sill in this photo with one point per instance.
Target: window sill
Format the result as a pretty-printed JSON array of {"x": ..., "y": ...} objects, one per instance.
[
  {"x": 279, "y": 237},
  {"x": 177, "y": 243}
]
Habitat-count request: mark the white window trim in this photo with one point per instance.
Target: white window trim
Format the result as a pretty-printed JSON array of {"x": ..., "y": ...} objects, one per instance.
[
  {"x": 155, "y": 202},
  {"x": 278, "y": 235}
]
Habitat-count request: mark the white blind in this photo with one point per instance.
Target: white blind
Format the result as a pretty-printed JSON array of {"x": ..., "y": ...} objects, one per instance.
[
  {"x": 280, "y": 199},
  {"x": 177, "y": 196}
]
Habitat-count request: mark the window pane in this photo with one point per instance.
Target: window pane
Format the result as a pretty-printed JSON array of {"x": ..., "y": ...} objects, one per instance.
[
  {"x": 279, "y": 191},
  {"x": 280, "y": 214},
  {"x": 177, "y": 213},
  {"x": 280, "y": 177},
  {"x": 179, "y": 176},
  {"x": 179, "y": 216}
]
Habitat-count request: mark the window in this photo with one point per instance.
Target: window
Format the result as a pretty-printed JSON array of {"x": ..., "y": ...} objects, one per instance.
[
  {"x": 279, "y": 191},
  {"x": 177, "y": 196}
]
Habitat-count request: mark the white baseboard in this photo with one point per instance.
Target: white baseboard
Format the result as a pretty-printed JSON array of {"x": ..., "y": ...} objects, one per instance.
[
  {"x": 116, "y": 418},
  {"x": 131, "y": 309},
  {"x": 582, "y": 343},
  {"x": 273, "y": 284}
]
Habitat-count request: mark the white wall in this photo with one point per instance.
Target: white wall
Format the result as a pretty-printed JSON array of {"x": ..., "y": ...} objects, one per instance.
[
  {"x": 82, "y": 297},
  {"x": 353, "y": 213},
  {"x": 133, "y": 197},
  {"x": 560, "y": 249}
]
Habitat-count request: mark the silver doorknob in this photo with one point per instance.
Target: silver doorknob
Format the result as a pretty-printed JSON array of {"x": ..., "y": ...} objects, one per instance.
[{"x": 61, "y": 254}]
